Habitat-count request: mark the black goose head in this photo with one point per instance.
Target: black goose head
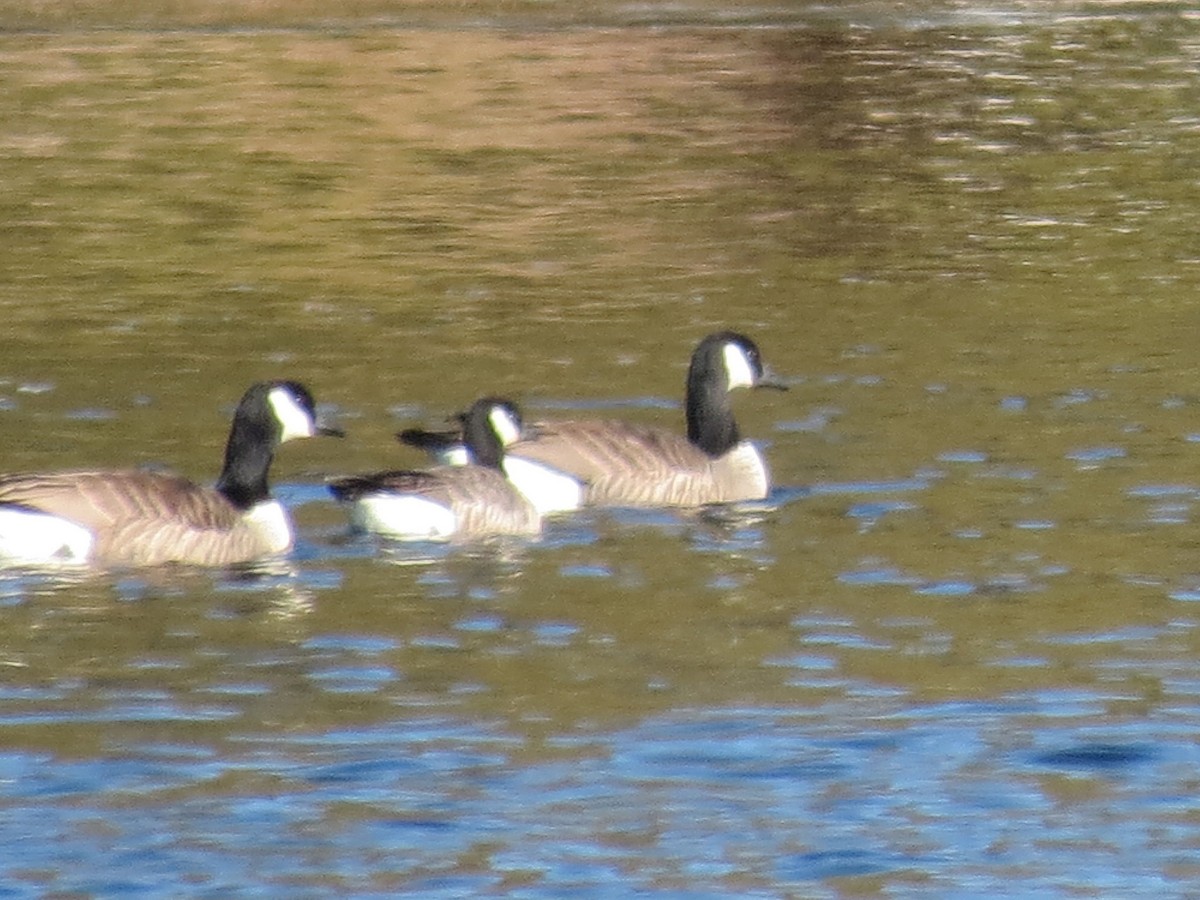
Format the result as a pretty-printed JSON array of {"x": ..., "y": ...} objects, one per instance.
[
  {"x": 490, "y": 425},
  {"x": 270, "y": 413},
  {"x": 720, "y": 363}
]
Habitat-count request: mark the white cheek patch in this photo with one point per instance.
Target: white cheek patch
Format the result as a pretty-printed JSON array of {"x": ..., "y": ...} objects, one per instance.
[
  {"x": 738, "y": 368},
  {"x": 455, "y": 455},
  {"x": 504, "y": 425},
  {"x": 294, "y": 420}
]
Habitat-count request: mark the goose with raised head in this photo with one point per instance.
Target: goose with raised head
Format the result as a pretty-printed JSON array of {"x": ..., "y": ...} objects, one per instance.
[
  {"x": 448, "y": 501},
  {"x": 123, "y": 518},
  {"x": 615, "y": 463}
]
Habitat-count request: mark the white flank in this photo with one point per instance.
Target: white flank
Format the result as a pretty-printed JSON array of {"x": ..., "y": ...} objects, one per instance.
[
  {"x": 547, "y": 489},
  {"x": 294, "y": 420},
  {"x": 737, "y": 367},
  {"x": 270, "y": 520},
  {"x": 33, "y": 538},
  {"x": 403, "y": 516}
]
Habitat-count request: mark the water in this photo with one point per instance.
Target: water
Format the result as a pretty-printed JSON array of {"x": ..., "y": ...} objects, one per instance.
[{"x": 953, "y": 654}]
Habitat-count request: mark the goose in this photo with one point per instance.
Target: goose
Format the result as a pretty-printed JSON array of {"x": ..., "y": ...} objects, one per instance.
[
  {"x": 449, "y": 501},
  {"x": 562, "y": 465},
  {"x": 133, "y": 518}
]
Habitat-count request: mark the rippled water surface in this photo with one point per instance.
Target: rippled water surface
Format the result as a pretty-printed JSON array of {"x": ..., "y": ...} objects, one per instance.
[{"x": 953, "y": 654}]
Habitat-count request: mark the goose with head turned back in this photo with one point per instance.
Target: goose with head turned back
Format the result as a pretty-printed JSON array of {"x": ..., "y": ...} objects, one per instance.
[
  {"x": 138, "y": 518},
  {"x": 450, "y": 501},
  {"x": 562, "y": 465}
]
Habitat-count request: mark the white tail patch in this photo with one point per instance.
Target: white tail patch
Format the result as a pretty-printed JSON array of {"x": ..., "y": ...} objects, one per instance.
[
  {"x": 403, "y": 516},
  {"x": 504, "y": 425},
  {"x": 37, "y": 539},
  {"x": 547, "y": 489},
  {"x": 294, "y": 420},
  {"x": 738, "y": 367}
]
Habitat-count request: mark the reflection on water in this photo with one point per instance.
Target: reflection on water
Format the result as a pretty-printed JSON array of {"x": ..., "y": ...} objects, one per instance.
[{"x": 952, "y": 652}]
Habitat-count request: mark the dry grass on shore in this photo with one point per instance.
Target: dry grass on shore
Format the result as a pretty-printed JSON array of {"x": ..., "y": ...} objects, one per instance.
[
  {"x": 73, "y": 14},
  {"x": 63, "y": 15}
]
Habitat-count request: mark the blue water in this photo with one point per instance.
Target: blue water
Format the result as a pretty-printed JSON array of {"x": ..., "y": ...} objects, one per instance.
[{"x": 953, "y": 653}]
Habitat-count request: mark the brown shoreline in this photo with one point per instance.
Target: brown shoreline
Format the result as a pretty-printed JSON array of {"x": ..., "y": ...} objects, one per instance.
[{"x": 70, "y": 15}]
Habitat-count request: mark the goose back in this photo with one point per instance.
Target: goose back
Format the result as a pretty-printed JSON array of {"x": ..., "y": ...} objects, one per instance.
[
  {"x": 449, "y": 501},
  {"x": 138, "y": 518},
  {"x": 625, "y": 464},
  {"x": 479, "y": 500},
  {"x": 142, "y": 518}
]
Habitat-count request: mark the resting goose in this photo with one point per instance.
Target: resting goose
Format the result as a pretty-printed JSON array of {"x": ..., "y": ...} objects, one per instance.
[
  {"x": 608, "y": 462},
  {"x": 449, "y": 501},
  {"x": 139, "y": 518}
]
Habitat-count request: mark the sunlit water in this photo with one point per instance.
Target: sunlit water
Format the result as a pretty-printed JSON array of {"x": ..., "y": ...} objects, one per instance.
[{"x": 955, "y": 651}]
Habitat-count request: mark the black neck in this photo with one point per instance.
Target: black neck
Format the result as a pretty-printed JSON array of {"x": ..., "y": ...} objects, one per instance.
[
  {"x": 482, "y": 443},
  {"x": 248, "y": 455},
  {"x": 710, "y": 422}
]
